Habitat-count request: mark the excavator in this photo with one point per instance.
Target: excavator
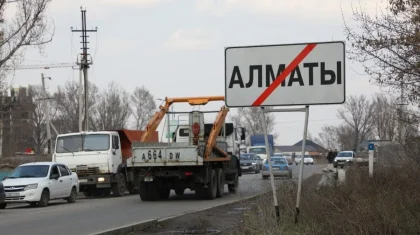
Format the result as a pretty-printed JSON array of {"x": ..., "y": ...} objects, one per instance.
[{"x": 199, "y": 156}]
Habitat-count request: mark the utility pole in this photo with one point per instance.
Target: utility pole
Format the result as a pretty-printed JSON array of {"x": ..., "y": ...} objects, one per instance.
[
  {"x": 84, "y": 66},
  {"x": 47, "y": 115}
]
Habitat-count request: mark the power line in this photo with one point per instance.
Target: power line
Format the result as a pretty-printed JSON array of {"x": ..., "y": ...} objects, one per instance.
[
  {"x": 85, "y": 61},
  {"x": 315, "y": 120}
]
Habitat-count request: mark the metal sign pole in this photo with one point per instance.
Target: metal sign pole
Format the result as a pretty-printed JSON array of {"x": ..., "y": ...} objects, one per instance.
[
  {"x": 276, "y": 206},
  {"x": 371, "y": 148},
  {"x": 302, "y": 159}
]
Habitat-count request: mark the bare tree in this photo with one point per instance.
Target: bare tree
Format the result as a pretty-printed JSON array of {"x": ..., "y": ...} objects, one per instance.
[
  {"x": 388, "y": 45},
  {"x": 143, "y": 106},
  {"x": 250, "y": 118},
  {"x": 29, "y": 27},
  {"x": 113, "y": 108},
  {"x": 38, "y": 138},
  {"x": 385, "y": 118},
  {"x": 328, "y": 137},
  {"x": 67, "y": 101},
  {"x": 346, "y": 137},
  {"x": 358, "y": 114}
]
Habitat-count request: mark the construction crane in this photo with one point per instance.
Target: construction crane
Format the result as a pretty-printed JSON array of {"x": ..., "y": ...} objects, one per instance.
[{"x": 42, "y": 66}]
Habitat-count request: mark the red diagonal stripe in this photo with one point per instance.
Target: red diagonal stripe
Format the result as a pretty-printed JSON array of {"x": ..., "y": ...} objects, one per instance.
[{"x": 305, "y": 52}]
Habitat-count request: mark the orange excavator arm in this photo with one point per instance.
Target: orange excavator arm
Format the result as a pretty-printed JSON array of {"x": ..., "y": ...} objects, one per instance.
[
  {"x": 157, "y": 118},
  {"x": 217, "y": 126}
]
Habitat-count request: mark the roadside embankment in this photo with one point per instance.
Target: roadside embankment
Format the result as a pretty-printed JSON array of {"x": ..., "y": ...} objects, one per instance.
[{"x": 386, "y": 204}]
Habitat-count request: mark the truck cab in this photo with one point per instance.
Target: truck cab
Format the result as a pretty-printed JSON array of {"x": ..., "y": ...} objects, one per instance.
[
  {"x": 99, "y": 159},
  {"x": 258, "y": 145}
]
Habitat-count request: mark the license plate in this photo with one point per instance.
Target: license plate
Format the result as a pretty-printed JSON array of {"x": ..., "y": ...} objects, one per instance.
[
  {"x": 244, "y": 167},
  {"x": 12, "y": 194},
  {"x": 148, "y": 179},
  {"x": 83, "y": 180}
]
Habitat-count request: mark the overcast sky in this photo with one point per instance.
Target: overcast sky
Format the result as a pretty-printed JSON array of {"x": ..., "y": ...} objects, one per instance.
[{"x": 176, "y": 47}]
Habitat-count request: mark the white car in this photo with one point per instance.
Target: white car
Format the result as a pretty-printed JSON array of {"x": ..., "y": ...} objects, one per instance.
[
  {"x": 39, "y": 182},
  {"x": 307, "y": 160}
]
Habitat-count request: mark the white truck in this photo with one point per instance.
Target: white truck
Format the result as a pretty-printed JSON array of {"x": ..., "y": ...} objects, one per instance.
[
  {"x": 203, "y": 157},
  {"x": 99, "y": 159}
]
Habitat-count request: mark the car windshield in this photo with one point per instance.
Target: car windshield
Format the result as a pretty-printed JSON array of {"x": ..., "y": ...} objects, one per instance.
[
  {"x": 344, "y": 154},
  {"x": 277, "y": 160},
  {"x": 33, "y": 171},
  {"x": 247, "y": 157},
  {"x": 85, "y": 142},
  {"x": 257, "y": 150},
  {"x": 278, "y": 155}
]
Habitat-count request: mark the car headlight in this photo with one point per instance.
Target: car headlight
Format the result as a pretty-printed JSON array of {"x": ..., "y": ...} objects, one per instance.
[
  {"x": 101, "y": 179},
  {"x": 254, "y": 163},
  {"x": 31, "y": 186}
]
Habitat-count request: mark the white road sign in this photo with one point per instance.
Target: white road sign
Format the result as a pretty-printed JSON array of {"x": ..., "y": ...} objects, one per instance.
[{"x": 288, "y": 74}]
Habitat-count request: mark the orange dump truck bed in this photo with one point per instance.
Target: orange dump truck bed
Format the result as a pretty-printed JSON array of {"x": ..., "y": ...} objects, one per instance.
[{"x": 127, "y": 137}]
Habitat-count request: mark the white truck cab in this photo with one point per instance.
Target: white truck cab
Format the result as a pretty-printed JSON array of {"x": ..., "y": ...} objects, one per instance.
[{"x": 99, "y": 159}]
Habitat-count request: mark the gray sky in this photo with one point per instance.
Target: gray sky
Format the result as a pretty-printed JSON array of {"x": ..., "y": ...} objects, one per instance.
[{"x": 176, "y": 47}]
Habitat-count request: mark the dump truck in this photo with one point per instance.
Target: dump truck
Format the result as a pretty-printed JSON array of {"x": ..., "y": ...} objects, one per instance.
[
  {"x": 258, "y": 145},
  {"x": 100, "y": 159},
  {"x": 200, "y": 156}
]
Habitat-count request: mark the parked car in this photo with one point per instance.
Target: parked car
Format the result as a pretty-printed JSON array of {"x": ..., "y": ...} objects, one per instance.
[
  {"x": 2, "y": 196},
  {"x": 344, "y": 158},
  {"x": 280, "y": 168},
  {"x": 307, "y": 160},
  {"x": 39, "y": 182},
  {"x": 250, "y": 162}
]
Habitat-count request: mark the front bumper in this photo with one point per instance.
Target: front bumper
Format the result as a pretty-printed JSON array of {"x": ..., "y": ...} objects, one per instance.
[
  {"x": 94, "y": 181},
  {"x": 32, "y": 195},
  {"x": 249, "y": 168},
  {"x": 278, "y": 173}
]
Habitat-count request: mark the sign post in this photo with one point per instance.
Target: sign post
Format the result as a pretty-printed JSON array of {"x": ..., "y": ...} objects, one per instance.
[
  {"x": 285, "y": 75},
  {"x": 371, "y": 148}
]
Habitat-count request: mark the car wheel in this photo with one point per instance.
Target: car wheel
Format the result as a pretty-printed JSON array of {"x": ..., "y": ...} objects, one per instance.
[
  {"x": 3, "y": 205},
  {"x": 45, "y": 198},
  {"x": 73, "y": 196}
]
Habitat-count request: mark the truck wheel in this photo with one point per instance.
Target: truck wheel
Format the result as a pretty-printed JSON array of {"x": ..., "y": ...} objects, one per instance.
[
  {"x": 211, "y": 190},
  {"x": 220, "y": 182},
  {"x": 199, "y": 191},
  {"x": 148, "y": 191},
  {"x": 164, "y": 193},
  {"x": 179, "y": 191},
  {"x": 118, "y": 189},
  {"x": 233, "y": 188}
]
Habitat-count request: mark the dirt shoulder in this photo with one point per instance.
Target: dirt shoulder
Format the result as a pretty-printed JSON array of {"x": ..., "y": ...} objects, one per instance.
[{"x": 220, "y": 220}]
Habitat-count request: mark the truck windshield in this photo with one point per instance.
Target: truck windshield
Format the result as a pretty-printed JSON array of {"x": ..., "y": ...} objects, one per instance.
[
  {"x": 258, "y": 150},
  {"x": 87, "y": 142}
]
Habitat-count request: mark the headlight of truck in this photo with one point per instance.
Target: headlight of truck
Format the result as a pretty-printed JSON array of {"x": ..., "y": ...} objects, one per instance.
[
  {"x": 101, "y": 179},
  {"x": 31, "y": 186}
]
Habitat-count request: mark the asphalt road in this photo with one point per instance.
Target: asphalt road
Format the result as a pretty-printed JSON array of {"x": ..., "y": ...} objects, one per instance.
[{"x": 90, "y": 215}]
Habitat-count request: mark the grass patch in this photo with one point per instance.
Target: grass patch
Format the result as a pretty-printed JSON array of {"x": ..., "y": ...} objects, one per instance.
[{"x": 389, "y": 203}]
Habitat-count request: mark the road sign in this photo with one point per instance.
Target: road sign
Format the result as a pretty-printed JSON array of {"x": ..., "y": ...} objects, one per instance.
[
  {"x": 371, "y": 146},
  {"x": 288, "y": 74}
]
